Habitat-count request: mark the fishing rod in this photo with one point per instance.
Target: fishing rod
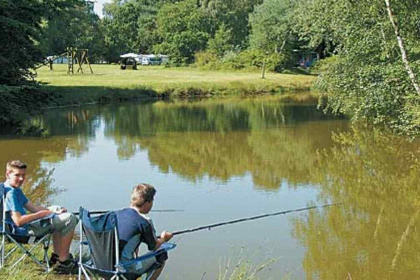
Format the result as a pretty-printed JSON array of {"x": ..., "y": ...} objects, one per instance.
[
  {"x": 106, "y": 211},
  {"x": 250, "y": 218}
]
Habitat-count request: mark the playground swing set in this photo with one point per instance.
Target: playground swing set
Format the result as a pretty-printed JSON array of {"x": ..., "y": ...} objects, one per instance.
[{"x": 74, "y": 56}]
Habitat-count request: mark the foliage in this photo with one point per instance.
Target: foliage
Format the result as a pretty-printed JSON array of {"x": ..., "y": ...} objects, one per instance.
[
  {"x": 130, "y": 27},
  {"x": 271, "y": 24},
  {"x": 21, "y": 30},
  {"x": 369, "y": 80},
  {"x": 255, "y": 59},
  {"x": 243, "y": 271},
  {"x": 18, "y": 102},
  {"x": 183, "y": 29},
  {"x": 234, "y": 14},
  {"x": 207, "y": 60},
  {"x": 221, "y": 42},
  {"x": 20, "y": 24},
  {"x": 75, "y": 27}
]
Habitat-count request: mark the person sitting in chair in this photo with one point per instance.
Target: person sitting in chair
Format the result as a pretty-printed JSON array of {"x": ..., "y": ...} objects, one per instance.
[
  {"x": 134, "y": 228},
  {"x": 62, "y": 223}
]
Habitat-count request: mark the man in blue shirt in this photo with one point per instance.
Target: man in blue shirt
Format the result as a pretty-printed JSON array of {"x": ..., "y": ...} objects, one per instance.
[
  {"x": 134, "y": 228},
  {"x": 16, "y": 204}
]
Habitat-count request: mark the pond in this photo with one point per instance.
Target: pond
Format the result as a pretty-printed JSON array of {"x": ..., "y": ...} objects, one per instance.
[{"x": 220, "y": 160}]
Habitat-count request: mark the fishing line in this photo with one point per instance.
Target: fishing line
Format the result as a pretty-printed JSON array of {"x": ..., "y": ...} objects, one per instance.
[{"x": 250, "y": 218}]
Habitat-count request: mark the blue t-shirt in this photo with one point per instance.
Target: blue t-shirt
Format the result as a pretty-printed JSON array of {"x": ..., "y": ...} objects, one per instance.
[
  {"x": 130, "y": 224},
  {"x": 15, "y": 201}
]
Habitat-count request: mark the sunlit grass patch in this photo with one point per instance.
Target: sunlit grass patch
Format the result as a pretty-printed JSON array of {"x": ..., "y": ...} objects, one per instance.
[
  {"x": 243, "y": 270},
  {"x": 172, "y": 81}
]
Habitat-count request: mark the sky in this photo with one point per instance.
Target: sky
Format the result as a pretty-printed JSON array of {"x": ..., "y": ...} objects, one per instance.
[{"x": 99, "y": 5}]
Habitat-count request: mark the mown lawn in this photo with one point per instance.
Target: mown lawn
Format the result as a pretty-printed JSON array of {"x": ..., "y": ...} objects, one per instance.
[
  {"x": 161, "y": 78},
  {"x": 109, "y": 82}
]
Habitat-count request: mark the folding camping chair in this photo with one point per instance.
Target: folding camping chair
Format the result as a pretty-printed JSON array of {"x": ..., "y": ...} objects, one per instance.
[
  {"x": 22, "y": 241},
  {"x": 100, "y": 234}
]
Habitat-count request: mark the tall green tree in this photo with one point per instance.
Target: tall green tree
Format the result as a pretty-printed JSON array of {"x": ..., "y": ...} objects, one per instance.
[
  {"x": 130, "y": 27},
  {"x": 76, "y": 27},
  {"x": 183, "y": 29},
  {"x": 221, "y": 42},
  {"x": 368, "y": 78},
  {"x": 272, "y": 26},
  {"x": 234, "y": 14},
  {"x": 20, "y": 32}
]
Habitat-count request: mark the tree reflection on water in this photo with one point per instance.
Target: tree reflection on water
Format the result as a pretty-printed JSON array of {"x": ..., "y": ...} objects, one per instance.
[
  {"x": 373, "y": 233},
  {"x": 374, "y": 176}
]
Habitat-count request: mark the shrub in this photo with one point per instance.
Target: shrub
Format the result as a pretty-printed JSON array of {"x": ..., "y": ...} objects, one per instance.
[{"x": 208, "y": 60}]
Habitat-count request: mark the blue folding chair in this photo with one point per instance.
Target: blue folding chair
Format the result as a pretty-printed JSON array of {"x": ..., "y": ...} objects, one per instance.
[
  {"x": 100, "y": 234},
  {"x": 21, "y": 240}
]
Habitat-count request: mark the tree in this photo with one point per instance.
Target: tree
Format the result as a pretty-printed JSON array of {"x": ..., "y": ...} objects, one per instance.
[
  {"x": 221, "y": 42},
  {"x": 21, "y": 31},
  {"x": 20, "y": 23},
  {"x": 183, "y": 29},
  {"x": 367, "y": 79},
  {"x": 130, "y": 27},
  {"x": 271, "y": 25},
  {"x": 76, "y": 27},
  {"x": 402, "y": 49},
  {"x": 234, "y": 14}
]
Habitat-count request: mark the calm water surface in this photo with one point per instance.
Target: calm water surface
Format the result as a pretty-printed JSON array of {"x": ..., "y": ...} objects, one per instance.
[{"x": 233, "y": 158}]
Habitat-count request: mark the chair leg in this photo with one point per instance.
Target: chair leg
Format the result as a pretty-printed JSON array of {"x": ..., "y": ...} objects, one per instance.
[
  {"x": 46, "y": 245},
  {"x": 2, "y": 248},
  {"x": 29, "y": 253}
]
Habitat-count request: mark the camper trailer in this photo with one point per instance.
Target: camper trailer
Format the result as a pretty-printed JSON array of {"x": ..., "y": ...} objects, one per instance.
[{"x": 151, "y": 59}]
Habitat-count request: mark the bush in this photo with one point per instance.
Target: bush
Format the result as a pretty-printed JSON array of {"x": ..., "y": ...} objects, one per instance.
[
  {"x": 248, "y": 59},
  {"x": 18, "y": 102},
  {"x": 379, "y": 94},
  {"x": 207, "y": 60}
]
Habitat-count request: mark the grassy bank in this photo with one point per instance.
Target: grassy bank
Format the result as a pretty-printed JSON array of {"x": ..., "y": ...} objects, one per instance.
[{"x": 109, "y": 83}]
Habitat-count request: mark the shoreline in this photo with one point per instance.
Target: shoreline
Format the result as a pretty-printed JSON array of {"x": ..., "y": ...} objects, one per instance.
[{"x": 56, "y": 89}]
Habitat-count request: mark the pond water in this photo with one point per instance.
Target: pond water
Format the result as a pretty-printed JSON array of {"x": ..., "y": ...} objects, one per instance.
[{"x": 218, "y": 160}]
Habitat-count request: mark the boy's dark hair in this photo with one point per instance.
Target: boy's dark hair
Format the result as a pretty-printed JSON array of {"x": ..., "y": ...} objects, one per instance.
[
  {"x": 15, "y": 164},
  {"x": 142, "y": 193}
]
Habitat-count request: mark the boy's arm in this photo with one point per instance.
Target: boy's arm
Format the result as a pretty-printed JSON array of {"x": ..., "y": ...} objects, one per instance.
[
  {"x": 34, "y": 208},
  {"x": 21, "y": 220},
  {"x": 164, "y": 236}
]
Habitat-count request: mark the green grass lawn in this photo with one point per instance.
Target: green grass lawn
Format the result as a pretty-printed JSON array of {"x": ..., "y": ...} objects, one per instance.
[
  {"x": 160, "y": 78},
  {"x": 109, "y": 82}
]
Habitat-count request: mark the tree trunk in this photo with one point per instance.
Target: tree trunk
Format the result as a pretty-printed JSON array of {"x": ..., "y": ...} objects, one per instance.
[{"x": 403, "y": 52}]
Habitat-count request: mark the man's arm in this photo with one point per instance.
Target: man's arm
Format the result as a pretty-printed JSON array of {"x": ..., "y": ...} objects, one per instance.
[{"x": 21, "y": 220}]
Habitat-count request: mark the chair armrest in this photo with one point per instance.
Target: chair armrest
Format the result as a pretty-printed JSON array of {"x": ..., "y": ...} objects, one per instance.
[{"x": 164, "y": 248}]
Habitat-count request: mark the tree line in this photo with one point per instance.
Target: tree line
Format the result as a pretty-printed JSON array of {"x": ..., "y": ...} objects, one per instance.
[{"x": 369, "y": 49}]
